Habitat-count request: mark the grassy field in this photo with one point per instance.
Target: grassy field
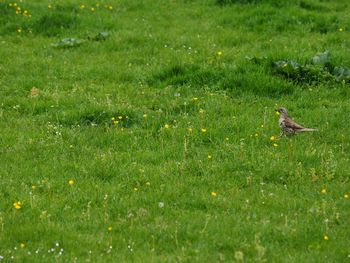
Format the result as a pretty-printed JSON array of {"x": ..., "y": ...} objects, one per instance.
[{"x": 157, "y": 140}]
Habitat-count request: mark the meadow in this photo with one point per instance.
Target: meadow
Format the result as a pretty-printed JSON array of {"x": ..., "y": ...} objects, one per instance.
[{"x": 146, "y": 131}]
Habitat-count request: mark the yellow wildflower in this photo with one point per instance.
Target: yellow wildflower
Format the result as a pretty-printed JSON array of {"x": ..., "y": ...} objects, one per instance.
[
  {"x": 136, "y": 189},
  {"x": 33, "y": 186},
  {"x": 92, "y": 9},
  {"x": 190, "y": 129},
  {"x": 110, "y": 7},
  {"x": 166, "y": 126},
  {"x": 144, "y": 115},
  {"x": 324, "y": 191},
  {"x": 346, "y": 196},
  {"x": 219, "y": 53},
  {"x": 341, "y": 30},
  {"x": 213, "y": 194},
  {"x": 209, "y": 156},
  {"x": 115, "y": 122},
  {"x": 49, "y": 6},
  {"x": 272, "y": 138},
  {"x": 110, "y": 228},
  {"x": 194, "y": 99},
  {"x": 325, "y": 237},
  {"x": 120, "y": 117},
  {"x": 71, "y": 182},
  {"x": 17, "y": 205},
  {"x": 148, "y": 183},
  {"x": 275, "y": 145},
  {"x": 22, "y": 245},
  {"x": 203, "y": 130},
  {"x": 82, "y": 6}
]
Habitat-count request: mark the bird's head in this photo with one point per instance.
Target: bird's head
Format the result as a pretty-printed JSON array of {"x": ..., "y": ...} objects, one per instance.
[{"x": 282, "y": 111}]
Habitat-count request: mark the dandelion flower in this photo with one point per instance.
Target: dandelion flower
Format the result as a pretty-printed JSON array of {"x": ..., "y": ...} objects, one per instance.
[
  {"x": 325, "y": 237},
  {"x": 19, "y": 30},
  {"x": 49, "y": 6},
  {"x": 120, "y": 117},
  {"x": 324, "y": 191},
  {"x": 17, "y": 205},
  {"x": 346, "y": 196},
  {"x": 275, "y": 145},
  {"x": 272, "y": 138},
  {"x": 148, "y": 183},
  {"x": 115, "y": 122},
  {"x": 166, "y": 126},
  {"x": 195, "y": 98},
  {"x": 203, "y": 130},
  {"x": 110, "y": 228},
  {"x": 201, "y": 111},
  {"x": 136, "y": 189},
  {"x": 113, "y": 118},
  {"x": 190, "y": 129},
  {"x": 71, "y": 182},
  {"x": 22, "y": 245},
  {"x": 219, "y": 53},
  {"x": 92, "y": 9},
  {"x": 341, "y": 30},
  {"x": 82, "y": 6},
  {"x": 145, "y": 116},
  {"x": 213, "y": 194},
  {"x": 110, "y": 7},
  {"x": 209, "y": 156},
  {"x": 33, "y": 186},
  {"x": 256, "y": 134}
]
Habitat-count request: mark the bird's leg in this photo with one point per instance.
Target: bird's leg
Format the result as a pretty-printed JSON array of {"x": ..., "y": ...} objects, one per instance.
[{"x": 281, "y": 133}]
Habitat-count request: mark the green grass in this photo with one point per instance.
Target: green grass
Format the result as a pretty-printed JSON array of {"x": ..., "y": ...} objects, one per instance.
[{"x": 189, "y": 173}]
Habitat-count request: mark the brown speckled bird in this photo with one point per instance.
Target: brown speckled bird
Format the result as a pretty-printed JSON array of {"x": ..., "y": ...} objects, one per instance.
[{"x": 288, "y": 126}]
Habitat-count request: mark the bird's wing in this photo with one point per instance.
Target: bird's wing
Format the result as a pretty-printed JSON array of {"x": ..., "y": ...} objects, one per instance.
[{"x": 292, "y": 124}]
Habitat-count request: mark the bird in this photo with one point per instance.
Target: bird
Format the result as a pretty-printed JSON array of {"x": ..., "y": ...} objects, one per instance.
[{"x": 288, "y": 126}]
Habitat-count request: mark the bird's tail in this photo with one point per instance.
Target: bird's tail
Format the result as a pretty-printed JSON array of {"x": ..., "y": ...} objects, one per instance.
[{"x": 307, "y": 130}]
